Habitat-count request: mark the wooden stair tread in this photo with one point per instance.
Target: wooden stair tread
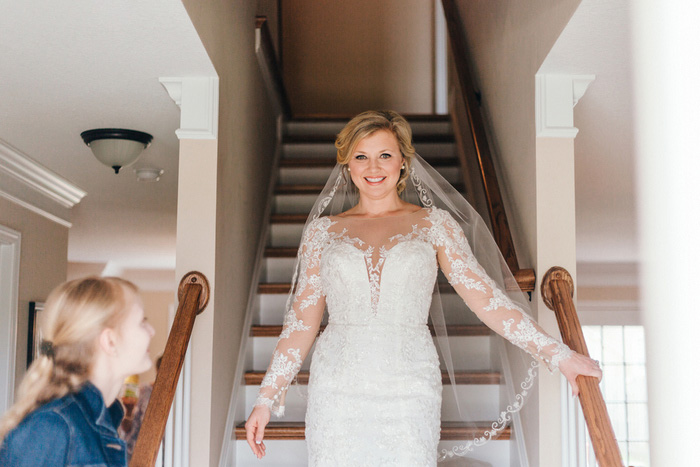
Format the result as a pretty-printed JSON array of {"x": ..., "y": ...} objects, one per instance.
[
  {"x": 323, "y": 117},
  {"x": 288, "y": 218},
  {"x": 330, "y": 139},
  {"x": 525, "y": 279},
  {"x": 449, "y": 431},
  {"x": 302, "y": 189},
  {"x": 456, "y": 330},
  {"x": 327, "y": 162},
  {"x": 254, "y": 378},
  {"x": 281, "y": 252}
]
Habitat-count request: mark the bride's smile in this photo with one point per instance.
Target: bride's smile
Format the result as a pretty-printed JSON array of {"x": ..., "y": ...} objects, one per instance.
[{"x": 375, "y": 165}]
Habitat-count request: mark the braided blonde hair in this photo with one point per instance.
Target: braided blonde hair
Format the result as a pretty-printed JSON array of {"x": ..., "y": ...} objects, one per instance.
[
  {"x": 75, "y": 314},
  {"x": 368, "y": 123}
]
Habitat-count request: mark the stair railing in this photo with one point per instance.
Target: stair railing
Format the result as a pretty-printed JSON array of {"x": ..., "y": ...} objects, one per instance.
[
  {"x": 557, "y": 292},
  {"x": 557, "y": 285},
  {"x": 193, "y": 296},
  {"x": 265, "y": 51},
  {"x": 494, "y": 200}
]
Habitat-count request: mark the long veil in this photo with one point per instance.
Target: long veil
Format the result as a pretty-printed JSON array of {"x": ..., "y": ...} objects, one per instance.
[{"x": 516, "y": 367}]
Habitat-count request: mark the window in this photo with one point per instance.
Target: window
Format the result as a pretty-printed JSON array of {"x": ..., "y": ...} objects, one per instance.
[{"x": 620, "y": 350}]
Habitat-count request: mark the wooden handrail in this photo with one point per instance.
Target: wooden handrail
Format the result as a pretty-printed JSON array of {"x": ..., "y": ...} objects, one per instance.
[
  {"x": 497, "y": 213},
  {"x": 558, "y": 292},
  {"x": 193, "y": 295},
  {"x": 271, "y": 72}
]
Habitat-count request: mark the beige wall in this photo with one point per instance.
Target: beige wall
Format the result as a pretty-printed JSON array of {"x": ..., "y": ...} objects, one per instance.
[
  {"x": 156, "y": 306},
  {"x": 43, "y": 265},
  {"x": 240, "y": 175},
  {"x": 350, "y": 56},
  {"x": 508, "y": 41}
]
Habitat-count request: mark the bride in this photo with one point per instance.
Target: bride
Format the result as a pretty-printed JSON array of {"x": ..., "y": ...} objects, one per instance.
[{"x": 375, "y": 386}]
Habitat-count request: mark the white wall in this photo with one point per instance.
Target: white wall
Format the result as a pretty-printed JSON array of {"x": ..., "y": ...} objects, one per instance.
[{"x": 666, "y": 44}]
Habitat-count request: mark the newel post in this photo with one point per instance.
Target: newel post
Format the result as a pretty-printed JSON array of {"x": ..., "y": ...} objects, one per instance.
[{"x": 557, "y": 292}]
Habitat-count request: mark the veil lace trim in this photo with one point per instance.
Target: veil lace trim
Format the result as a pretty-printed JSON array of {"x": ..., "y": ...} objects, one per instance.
[{"x": 475, "y": 263}]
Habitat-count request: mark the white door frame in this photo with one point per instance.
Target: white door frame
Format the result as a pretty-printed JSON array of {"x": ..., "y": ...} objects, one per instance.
[
  {"x": 9, "y": 297},
  {"x": 440, "y": 51}
]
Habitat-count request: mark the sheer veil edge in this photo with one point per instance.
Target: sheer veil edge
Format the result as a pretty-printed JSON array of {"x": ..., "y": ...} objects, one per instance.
[{"x": 518, "y": 369}]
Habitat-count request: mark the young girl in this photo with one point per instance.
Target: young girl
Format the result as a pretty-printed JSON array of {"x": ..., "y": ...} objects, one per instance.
[{"x": 67, "y": 412}]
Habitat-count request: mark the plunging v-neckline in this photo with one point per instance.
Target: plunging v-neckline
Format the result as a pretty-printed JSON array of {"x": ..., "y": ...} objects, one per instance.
[{"x": 375, "y": 270}]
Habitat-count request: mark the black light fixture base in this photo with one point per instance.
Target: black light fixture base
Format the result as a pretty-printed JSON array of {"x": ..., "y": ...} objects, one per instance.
[{"x": 116, "y": 133}]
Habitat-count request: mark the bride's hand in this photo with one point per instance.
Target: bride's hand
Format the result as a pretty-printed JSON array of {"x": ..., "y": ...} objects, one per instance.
[
  {"x": 255, "y": 429},
  {"x": 577, "y": 365}
]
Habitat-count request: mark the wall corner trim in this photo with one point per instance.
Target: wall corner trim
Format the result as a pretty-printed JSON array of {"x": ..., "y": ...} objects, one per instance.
[
  {"x": 555, "y": 98},
  {"x": 198, "y": 99}
]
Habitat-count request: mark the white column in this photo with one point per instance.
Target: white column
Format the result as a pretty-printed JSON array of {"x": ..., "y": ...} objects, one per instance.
[
  {"x": 556, "y": 96},
  {"x": 196, "y": 250},
  {"x": 666, "y": 47}
]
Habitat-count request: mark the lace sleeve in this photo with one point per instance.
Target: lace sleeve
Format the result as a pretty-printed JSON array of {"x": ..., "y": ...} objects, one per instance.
[
  {"x": 486, "y": 299},
  {"x": 301, "y": 322}
]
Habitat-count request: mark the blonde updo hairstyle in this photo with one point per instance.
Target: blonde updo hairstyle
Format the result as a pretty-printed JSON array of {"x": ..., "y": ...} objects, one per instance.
[
  {"x": 368, "y": 123},
  {"x": 75, "y": 314}
]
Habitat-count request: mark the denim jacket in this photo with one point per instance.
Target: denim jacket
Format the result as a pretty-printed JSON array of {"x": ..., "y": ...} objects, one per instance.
[{"x": 75, "y": 430}]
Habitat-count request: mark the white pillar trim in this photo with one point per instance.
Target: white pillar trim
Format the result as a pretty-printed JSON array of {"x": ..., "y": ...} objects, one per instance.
[
  {"x": 198, "y": 99},
  {"x": 441, "y": 91},
  {"x": 556, "y": 95},
  {"x": 10, "y": 243}
]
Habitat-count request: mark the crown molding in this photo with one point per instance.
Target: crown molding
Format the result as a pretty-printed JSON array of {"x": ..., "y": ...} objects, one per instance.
[
  {"x": 198, "y": 99},
  {"x": 34, "y": 187},
  {"x": 39, "y": 178},
  {"x": 555, "y": 96},
  {"x": 61, "y": 220}
]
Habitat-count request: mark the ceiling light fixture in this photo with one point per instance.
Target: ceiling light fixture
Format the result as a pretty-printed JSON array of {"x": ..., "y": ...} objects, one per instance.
[{"x": 116, "y": 147}]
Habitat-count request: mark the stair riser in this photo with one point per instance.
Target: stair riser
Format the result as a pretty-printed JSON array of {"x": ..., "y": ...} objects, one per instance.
[
  {"x": 482, "y": 402},
  {"x": 278, "y": 270},
  {"x": 327, "y": 150},
  {"x": 285, "y": 234},
  {"x": 278, "y": 453},
  {"x": 271, "y": 310},
  {"x": 476, "y": 349},
  {"x": 319, "y": 175},
  {"x": 281, "y": 453},
  {"x": 333, "y": 128}
]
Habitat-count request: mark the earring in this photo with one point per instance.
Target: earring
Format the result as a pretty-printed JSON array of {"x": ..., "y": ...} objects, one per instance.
[{"x": 403, "y": 166}]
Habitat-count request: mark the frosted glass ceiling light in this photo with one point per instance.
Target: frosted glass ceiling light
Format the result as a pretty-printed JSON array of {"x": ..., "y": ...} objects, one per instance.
[{"x": 115, "y": 147}]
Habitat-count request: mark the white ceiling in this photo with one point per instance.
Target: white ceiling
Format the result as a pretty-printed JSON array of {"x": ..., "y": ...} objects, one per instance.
[
  {"x": 71, "y": 65},
  {"x": 597, "y": 41}
]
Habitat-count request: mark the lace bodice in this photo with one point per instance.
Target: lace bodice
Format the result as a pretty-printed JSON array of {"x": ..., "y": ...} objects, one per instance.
[{"x": 382, "y": 271}]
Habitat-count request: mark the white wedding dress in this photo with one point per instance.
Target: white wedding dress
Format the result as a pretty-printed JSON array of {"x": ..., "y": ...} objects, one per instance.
[{"x": 375, "y": 384}]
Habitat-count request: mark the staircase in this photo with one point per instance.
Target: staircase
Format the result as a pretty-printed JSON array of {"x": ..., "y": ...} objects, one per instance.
[{"x": 308, "y": 157}]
